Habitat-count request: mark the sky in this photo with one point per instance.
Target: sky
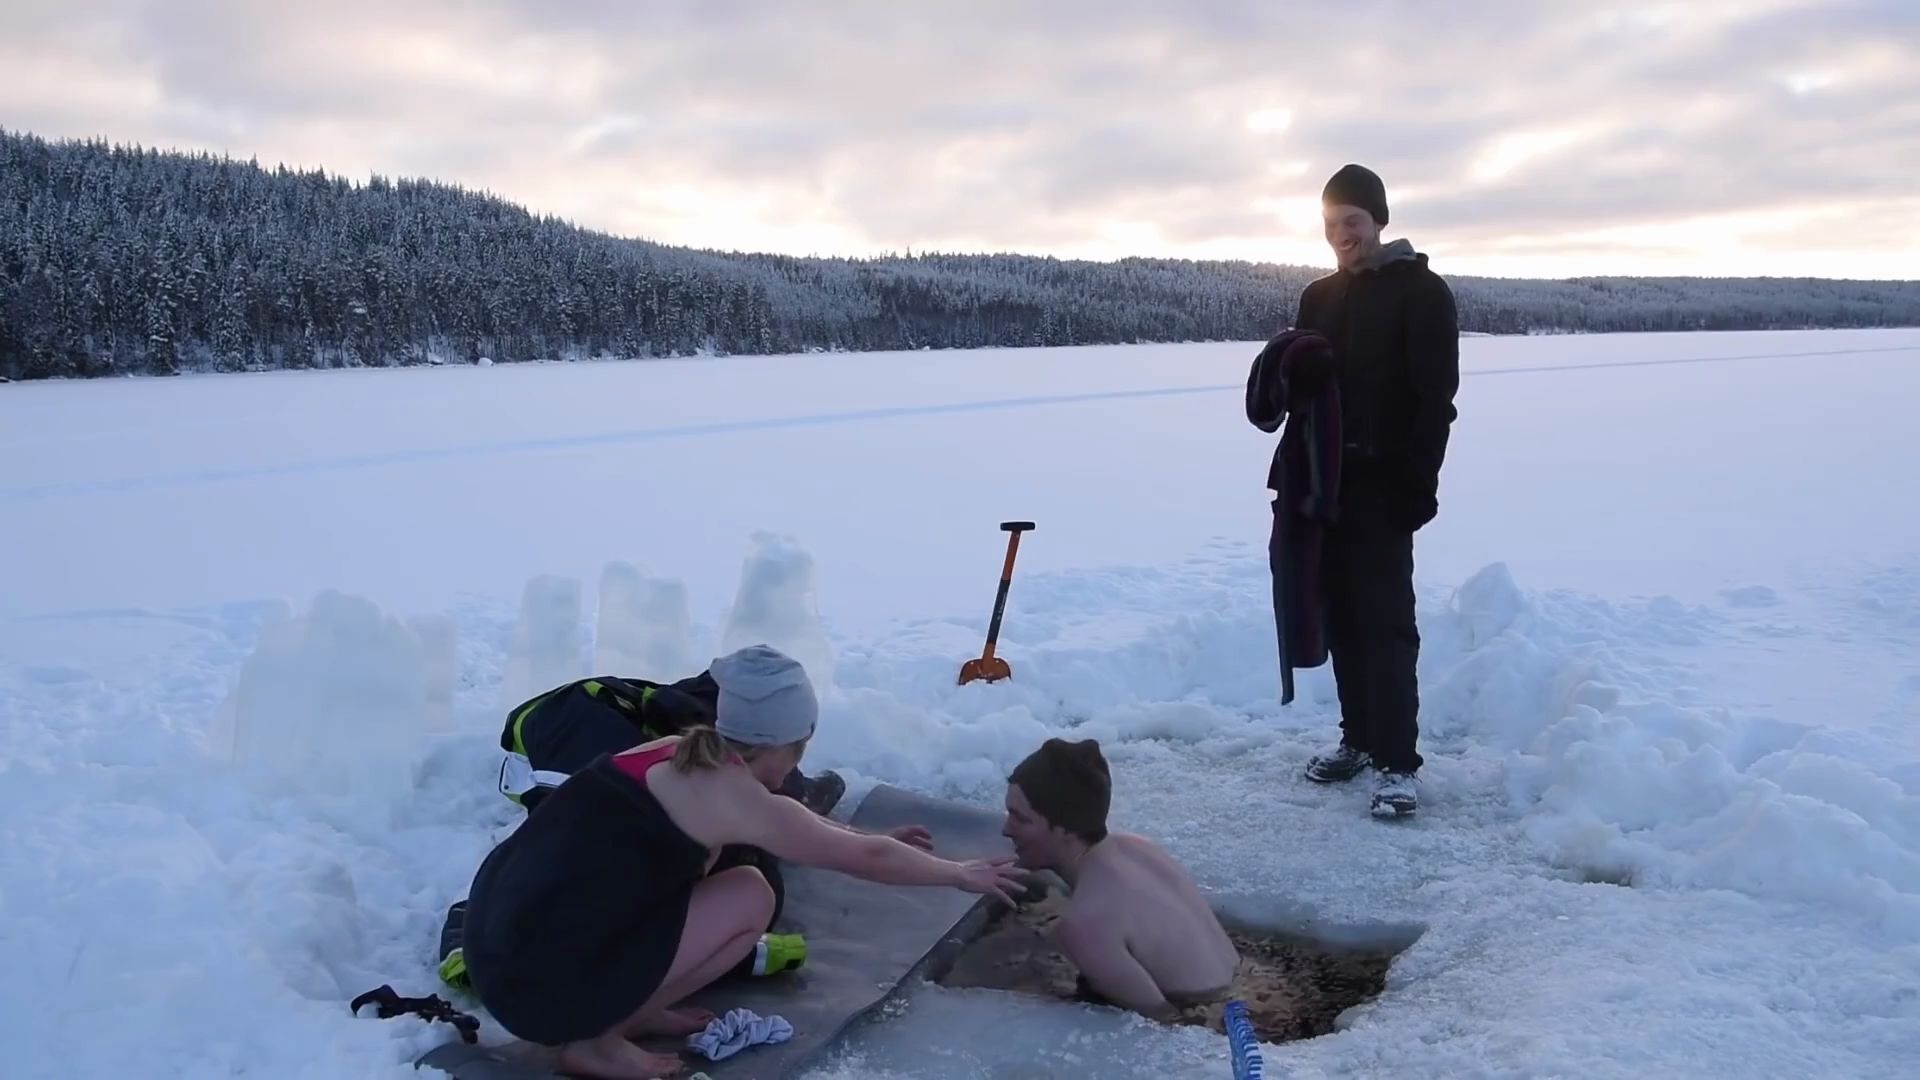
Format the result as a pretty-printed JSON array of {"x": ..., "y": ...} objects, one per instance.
[{"x": 1549, "y": 138}]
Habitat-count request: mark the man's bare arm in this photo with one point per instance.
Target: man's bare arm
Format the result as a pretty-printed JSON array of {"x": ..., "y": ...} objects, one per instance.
[{"x": 1094, "y": 945}]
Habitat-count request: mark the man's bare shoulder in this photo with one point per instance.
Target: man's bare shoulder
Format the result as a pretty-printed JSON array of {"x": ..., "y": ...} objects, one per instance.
[
  {"x": 1133, "y": 850},
  {"x": 1106, "y": 867},
  {"x": 1112, "y": 876},
  {"x": 1135, "y": 868}
]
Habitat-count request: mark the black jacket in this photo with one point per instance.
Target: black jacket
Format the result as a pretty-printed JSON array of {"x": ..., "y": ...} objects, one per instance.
[{"x": 1396, "y": 341}]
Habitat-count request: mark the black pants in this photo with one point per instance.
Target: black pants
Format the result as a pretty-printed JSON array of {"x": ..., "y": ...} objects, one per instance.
[{"x": 1371, "y": 634}]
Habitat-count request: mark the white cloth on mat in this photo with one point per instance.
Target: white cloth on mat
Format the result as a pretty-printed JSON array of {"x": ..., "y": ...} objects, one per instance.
[{"x": 740, "y": 1028}]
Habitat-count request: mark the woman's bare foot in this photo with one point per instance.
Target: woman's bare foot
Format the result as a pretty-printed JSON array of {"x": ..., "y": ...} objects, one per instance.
[
  {"x": 615, "y": 1059},
  {"x": 670, "y": 1022}
]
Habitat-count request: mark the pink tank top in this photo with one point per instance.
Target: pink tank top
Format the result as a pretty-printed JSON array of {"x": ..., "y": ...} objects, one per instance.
[{"x": 636, "y": 765}]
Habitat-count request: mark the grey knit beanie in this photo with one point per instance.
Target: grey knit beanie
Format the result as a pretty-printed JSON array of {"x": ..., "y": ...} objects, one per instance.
[{"x": 766, "y": 698}]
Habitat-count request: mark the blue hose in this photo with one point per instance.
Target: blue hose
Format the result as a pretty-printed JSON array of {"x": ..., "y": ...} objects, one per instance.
[{"x": 1247, "y": 1064}]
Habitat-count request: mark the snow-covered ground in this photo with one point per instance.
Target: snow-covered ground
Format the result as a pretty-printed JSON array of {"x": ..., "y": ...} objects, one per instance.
[{"x": 256, "y": 632}]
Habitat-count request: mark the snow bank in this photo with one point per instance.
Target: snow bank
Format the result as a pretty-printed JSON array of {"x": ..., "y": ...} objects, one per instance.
[
  {"x": 173, "y": 904},
  {"x": 1622, "y": 782},
  {"x": 312, "y": 858},
  {"x": 1574, "y": 703}
]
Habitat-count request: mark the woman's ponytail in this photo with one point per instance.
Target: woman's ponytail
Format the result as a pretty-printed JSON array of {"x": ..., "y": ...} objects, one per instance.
[{"x": 700, "y": 748}]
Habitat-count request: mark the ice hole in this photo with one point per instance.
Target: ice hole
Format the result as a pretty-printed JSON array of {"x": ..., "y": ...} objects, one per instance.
[{"x": 1295, "y": 984}]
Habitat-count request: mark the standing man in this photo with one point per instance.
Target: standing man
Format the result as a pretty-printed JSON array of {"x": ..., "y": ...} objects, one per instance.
[{"x": 1396, "y": 342}]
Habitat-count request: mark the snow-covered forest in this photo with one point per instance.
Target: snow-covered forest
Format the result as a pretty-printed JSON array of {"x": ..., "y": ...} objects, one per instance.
[{"x": 128, "y": 260}]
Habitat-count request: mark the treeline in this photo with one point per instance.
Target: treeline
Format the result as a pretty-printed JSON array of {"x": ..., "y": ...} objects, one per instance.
[{"x": 125, "y": 260}]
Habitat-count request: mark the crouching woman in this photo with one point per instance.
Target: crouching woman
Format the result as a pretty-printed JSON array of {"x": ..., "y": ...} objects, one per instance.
[{"x": 597, "y": 916}]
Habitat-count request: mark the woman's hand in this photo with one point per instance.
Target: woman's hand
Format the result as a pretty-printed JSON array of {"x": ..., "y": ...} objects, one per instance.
[{"x": 993, "y": 877}]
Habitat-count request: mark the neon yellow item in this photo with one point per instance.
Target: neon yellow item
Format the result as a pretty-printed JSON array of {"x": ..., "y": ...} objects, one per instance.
[
  {"x": 453, "y": 971},
  {"x": 777, "y": 953}
]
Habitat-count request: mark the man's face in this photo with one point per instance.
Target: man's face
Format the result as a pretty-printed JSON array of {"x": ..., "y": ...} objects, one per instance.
[
  {"x": 1351, "y": 233},
  {"x": 1033, "y": 838}
]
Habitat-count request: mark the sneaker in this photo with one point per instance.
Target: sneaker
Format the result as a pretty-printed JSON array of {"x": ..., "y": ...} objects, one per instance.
[
  {"x": 1394, "y": 798},
  {"x": 453, "y": 970},
  {"x": 453, "y": 959},
  {"x": 1344, "y": 763},
  {"x": 777, "y": 953}
]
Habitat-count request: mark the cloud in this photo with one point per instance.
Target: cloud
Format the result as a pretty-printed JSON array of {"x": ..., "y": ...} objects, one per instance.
[{"x": 1519, "y": 137}]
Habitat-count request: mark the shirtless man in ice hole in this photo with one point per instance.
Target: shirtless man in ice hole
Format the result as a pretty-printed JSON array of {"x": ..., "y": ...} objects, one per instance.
[{"x": 1136, "y": 927}]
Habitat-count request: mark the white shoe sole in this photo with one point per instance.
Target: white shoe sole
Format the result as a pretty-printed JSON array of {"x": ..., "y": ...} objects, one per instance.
[{"x": 1389, "y": 810}]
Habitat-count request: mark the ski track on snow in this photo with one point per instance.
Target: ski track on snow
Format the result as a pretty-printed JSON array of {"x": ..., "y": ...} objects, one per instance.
[{"x": 509, "y": 448}]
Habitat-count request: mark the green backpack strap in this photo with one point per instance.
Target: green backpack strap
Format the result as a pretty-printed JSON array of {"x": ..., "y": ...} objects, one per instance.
[
  {"x": 628, "y": 696},
  {"x": 510, "y": 738}
]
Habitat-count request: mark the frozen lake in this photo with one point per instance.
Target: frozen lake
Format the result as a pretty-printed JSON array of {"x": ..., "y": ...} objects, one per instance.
[{"x": 1670, "y": 609}]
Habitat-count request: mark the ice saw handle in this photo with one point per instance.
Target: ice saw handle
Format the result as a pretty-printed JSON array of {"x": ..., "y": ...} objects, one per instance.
[{"x": 1013, "y": 529}]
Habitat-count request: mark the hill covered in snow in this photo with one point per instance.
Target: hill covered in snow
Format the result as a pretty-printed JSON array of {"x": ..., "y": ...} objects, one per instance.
[{"x": 128, "y": 260}]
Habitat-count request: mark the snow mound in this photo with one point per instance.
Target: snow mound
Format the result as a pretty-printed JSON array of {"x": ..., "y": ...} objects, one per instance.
[
  {"x": 1621, "y": 780},
  {"x": 1752, "y": 596},
  {"x": 146, "y": 877},
  {"x": 1575, "y": 708}
]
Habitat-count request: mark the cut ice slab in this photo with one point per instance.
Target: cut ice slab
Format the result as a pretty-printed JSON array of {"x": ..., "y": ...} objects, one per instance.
[
  {"x": 546, "y": 649},
  {"x": 644, "y": 629},
  {"x": 776, "y": 606},
  {"x": 439, "y": 638},
  {"x": 335, "y": 697}
]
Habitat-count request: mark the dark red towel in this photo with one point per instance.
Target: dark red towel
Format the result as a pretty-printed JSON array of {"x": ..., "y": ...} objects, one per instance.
[{"x": 1292, "y": 382}]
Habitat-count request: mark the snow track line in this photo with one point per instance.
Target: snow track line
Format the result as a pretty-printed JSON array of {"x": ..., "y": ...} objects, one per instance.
[
  {"x": 35, "y": 493},
  {"x": 1597, "y": 365},
  {"x": 572, "y": 442}
]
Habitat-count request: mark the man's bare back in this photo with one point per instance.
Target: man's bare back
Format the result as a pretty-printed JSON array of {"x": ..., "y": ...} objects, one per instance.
[{"x": 1140, "y": 931}]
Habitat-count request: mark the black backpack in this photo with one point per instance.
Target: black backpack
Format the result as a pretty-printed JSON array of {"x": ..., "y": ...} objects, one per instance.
[{"x": 656, "y": 709}]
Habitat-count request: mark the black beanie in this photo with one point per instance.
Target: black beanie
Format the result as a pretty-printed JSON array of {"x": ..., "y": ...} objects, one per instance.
[
  {"x": 1068, "y": 784},
  {"x": 1356, "y": 185}
]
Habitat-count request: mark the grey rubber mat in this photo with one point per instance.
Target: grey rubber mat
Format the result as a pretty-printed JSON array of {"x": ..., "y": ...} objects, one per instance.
[{"x": 863, "y": 939}]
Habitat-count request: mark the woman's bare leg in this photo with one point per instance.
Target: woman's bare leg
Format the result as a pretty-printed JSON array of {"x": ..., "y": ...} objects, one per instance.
[
  {"x": 730, "y": 911},
  {"x": 727, "y": 916}
]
